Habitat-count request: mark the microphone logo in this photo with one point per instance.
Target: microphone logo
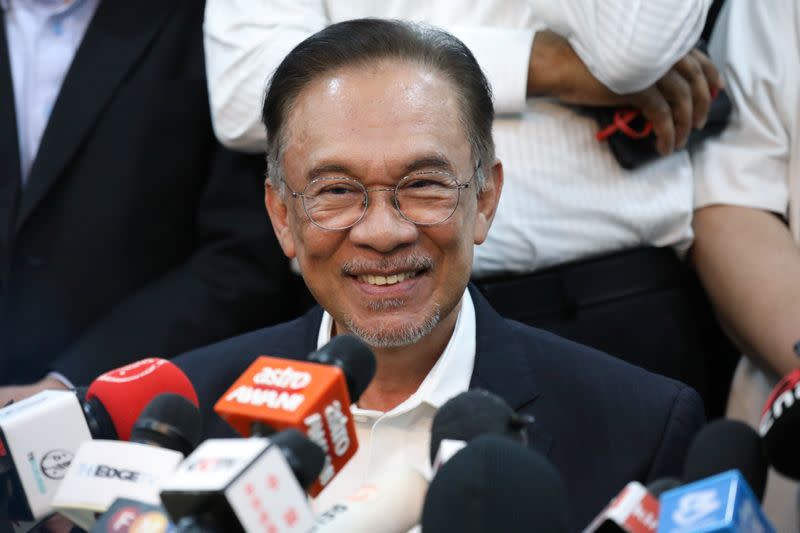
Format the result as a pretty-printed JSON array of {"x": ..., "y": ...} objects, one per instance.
[
  {"x": 133, "y": 371},
  {"x": 696, "y": 506},
  {"x": 55, "y": 463}
]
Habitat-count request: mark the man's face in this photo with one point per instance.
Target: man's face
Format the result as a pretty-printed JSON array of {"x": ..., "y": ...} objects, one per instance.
[{"x": 385, "y": 279}]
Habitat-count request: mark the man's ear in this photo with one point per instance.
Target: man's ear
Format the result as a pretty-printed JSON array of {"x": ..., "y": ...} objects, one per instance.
[
  {"x": 279, "y": 216},
  {"x": 488, "y": 198}
]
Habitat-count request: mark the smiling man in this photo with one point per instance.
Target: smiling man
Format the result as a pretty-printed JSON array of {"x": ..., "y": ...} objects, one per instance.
[{"x": 382, "y": 179}]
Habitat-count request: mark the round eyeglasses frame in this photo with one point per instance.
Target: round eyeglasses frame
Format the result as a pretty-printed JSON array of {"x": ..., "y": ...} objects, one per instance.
[{"x": 303, "y": 195}]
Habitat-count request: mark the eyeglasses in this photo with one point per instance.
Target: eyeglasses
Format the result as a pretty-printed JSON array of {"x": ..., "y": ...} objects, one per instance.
[{"x": 425, "y": 198}]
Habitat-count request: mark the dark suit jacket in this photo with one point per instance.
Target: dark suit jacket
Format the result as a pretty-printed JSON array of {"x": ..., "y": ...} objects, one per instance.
[
  {"x": 601, "y": 421},
  {"x": 137, "y": 234}
]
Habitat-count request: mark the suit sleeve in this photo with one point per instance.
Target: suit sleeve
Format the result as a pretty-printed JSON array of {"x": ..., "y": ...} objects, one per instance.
[
  {"x": 236, "y": 279},
  {"x": 685, "y": 419}
]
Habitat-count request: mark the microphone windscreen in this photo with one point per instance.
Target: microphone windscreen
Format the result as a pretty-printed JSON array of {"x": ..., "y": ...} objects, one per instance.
[
  {"x": 126, "y": 391},
  {"x": 354, "y": 357},
  {"x": 496, "y": 484},
  {"x": 780, "y": 426},
  {"x": 304, "y": 457},
  {"x": 471, "y": 414},
  {"x": 723, "y": 445},
  {"x": 169, "y": 421}
]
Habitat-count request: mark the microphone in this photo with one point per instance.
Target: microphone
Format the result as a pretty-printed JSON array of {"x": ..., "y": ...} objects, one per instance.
[
  {"x": 104, "y": 470},
  {"x": 245, "y": 485},
  {"x": 720, "y": 503},
  {"x": 780, "y": 426},
  {"x": 392, "y": 504},
  {"x": 634, "y": 510},
  {"x": 40, "y": 434},
  {"x": 131, "y": 516},
  {"x": 725, "y": 475},
  {"x": 313, "y": 396},
  {"x": 471, "y": 414},
  {"x": 723, "y": 445},
  {"x": 496, "y": 484}
]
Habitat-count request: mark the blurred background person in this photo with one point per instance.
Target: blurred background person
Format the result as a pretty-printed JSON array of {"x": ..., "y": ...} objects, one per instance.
[
  {"x": 579, "y": 246},
  {"x": 126, "y": 229},
  {"x": 747, "y": 221}
]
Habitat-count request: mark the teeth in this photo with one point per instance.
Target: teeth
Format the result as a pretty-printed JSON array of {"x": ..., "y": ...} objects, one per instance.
[{"x": 386, "y": 280}]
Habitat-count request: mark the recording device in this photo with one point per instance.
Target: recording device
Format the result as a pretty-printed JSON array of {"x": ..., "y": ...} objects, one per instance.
[
  {"x": 104, "y": 470},
  {"x": 40, "y": 434},
  {"x": 313, "y": 396},
  {"x": 496, "y": 484},
  {"x": 780, "y": 426},
  {"x": 471, "y": 414},
  {"x": 254, "y": 484}
]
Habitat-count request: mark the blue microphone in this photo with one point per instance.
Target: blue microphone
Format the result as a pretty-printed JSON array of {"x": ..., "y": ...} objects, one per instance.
[{"x": 723, "y": 503}]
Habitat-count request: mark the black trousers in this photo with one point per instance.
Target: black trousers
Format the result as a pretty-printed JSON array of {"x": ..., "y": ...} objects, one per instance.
[{"x": 644, "y": 306}]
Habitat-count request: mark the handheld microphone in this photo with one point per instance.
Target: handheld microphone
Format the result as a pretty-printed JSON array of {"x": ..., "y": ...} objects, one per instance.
[
  {"x": 780, "y": 426},
  {"x": 313, "y": 396},
  {"x": 245, "y": 485},
  {"x": 634, "y": 510},
  {"x": 131, "y": 516},
  {"x": 471, "y": 414},
  {"x": 104, "y": 470},
  {"x": 392, "y": 504},
  {"x": 723, "y": 445},
  {"x": 40, "y": 434},
  {"x": 496, "y": 484}
]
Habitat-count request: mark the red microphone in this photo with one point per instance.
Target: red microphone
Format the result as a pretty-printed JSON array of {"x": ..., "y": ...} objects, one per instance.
[
  {"x": 125, "y": 392},
  {"x": 780, "y": 425},
  {"x": 312, "y": 396}
]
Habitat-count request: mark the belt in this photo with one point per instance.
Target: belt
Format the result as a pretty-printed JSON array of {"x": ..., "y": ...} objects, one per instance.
[{"x": 566, "y": 288}]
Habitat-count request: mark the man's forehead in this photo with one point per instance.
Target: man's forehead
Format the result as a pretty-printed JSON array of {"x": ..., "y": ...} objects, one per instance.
[{"x": 378, "y": 112}]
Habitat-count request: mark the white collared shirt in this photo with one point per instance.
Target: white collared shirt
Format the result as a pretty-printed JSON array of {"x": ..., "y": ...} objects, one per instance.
[
  {"x": 43, "y": 36},
  {"x": 401, "y": 437}
]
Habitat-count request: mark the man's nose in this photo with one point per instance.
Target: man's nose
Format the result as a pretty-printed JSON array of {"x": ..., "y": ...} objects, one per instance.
[{"x": 383, "y": 228}]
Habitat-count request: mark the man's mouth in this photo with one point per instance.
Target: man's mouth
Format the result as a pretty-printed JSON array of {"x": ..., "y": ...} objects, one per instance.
[{"x": 386, "y": 280}]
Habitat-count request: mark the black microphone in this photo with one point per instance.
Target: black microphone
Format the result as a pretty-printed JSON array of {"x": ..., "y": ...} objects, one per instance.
[
  {"x": 496, "y": 484},
  {"x": 723, "y": 445},
  {"x": 170, "y": 421},
  {"x": 473, "y": 413}
]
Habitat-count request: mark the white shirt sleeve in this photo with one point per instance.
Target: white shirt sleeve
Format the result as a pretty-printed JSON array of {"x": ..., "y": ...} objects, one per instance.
[
  {"x": 627, "y": 44},
  {"x": 748, "y": 164}
]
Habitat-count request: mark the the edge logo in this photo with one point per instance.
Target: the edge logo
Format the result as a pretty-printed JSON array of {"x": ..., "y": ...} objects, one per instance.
[
  {"x": 110, "y": 472},
  {"x": 55, "y": 463},
  {"x": 696, "y": 506}
]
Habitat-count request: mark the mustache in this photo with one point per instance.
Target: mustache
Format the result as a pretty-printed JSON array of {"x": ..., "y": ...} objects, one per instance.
[{"x": 413, "y": 263}]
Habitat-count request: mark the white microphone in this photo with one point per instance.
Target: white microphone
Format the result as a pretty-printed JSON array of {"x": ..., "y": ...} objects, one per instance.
[
  {"x": 253, "y": 484},
  {"x": 392, "y": 504},
  {"x": 104, "y": 470}
]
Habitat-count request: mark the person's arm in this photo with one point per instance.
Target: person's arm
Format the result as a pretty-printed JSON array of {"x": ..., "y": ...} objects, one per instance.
[
  {"x": 750, "y": 266},
  {"x": 743, "y": 249}
]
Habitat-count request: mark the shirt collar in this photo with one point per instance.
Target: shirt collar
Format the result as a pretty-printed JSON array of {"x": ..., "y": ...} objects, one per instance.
[
  {"x": 45, "y": 7},
  {"x": 452, "y": 372}
]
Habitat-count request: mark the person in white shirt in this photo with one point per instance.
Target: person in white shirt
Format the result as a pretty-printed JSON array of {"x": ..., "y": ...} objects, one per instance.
[
  {"x": 748, "y": 210},
  {"x": 579, "y": 245}
]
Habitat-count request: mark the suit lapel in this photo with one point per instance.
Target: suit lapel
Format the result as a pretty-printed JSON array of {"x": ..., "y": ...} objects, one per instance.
[
  {"x": 501, "y": 367},
  {"x": 9, "y": 149},
  {"x": 117, "y": 36}
]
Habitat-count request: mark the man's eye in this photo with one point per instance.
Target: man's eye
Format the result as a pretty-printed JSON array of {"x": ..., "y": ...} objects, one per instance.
[{"x": 337, "y": 189}]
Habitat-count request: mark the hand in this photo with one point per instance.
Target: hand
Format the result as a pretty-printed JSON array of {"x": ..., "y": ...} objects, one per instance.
[
  {"x": 675, "y": 104},
  {"x": 20, "y": 392}
]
